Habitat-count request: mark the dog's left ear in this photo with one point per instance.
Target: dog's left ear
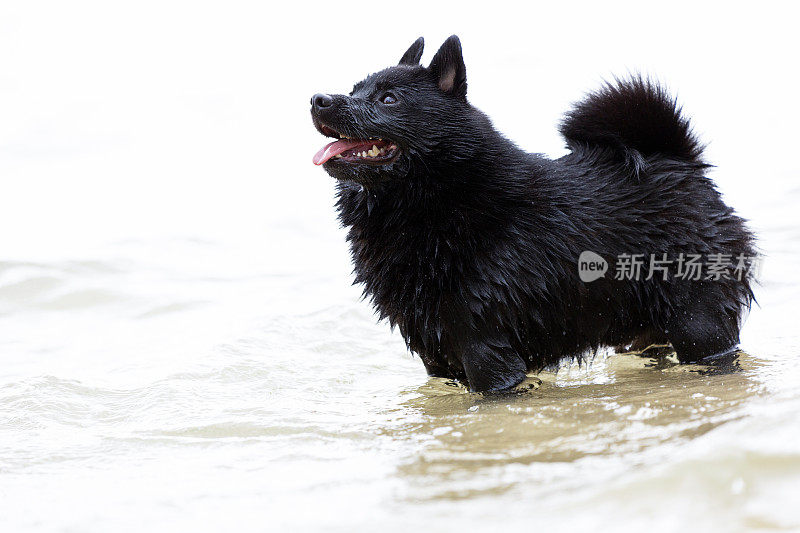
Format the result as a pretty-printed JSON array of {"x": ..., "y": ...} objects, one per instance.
[
  {"x": 449, "y": 69},
  {"x": 414, "y": 53}
]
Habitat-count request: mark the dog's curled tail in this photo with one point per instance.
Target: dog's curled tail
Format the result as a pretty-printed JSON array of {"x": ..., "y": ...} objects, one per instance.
[{"x": 633, "y": 118}]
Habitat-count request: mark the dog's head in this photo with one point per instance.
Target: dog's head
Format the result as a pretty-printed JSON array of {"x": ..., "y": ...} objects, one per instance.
[{"x": 398, "y": 121}]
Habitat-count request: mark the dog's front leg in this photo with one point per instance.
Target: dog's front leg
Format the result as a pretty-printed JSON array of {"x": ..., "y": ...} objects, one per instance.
[{"x": 491, "y": 366}]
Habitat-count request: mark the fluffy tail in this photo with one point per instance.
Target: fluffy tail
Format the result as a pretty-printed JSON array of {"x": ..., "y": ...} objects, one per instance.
[{"x": 634, "y": 118}]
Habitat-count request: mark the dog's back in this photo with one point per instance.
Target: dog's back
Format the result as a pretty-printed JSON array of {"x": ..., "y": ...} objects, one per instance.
[{"x": 637, "y": 180}]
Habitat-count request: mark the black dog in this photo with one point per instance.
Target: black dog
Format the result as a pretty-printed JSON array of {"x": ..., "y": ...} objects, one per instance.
[{"x": 485, "y": 255}]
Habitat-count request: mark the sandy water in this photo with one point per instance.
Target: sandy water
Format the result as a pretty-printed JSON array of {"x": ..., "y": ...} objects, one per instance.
[{"x": 180, "y": 345}]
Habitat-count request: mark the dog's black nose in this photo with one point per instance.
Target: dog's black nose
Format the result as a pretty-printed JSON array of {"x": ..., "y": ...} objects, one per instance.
[{"x": 321, "y": 100}]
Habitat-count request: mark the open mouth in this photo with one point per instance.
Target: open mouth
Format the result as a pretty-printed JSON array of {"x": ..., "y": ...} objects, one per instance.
[{"x": 346, "y": 150}]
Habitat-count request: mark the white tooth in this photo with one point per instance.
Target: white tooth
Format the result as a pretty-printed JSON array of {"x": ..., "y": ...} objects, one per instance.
[{"x": 363, "y": 154}]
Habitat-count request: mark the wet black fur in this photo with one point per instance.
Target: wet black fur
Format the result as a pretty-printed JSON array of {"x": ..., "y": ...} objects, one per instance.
[{"x": 470, "y": 245}]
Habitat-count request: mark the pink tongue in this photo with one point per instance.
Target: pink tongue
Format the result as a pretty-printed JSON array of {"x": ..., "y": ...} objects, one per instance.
[{"x": 335, "y": 148}]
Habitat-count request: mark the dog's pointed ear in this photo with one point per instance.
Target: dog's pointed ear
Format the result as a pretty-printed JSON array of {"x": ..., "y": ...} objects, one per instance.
[
  {"x": 414, "y": 53},
  {"x": 448, "y": 68}
]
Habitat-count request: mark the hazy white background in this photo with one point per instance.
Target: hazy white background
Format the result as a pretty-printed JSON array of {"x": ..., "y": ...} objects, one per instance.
[
  {"x": 159, "y": 205},
  {"x": 153, "y": 119}
]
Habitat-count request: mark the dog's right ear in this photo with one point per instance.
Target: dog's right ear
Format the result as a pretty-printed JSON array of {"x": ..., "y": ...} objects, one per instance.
[{"x": 414, "y": 53}]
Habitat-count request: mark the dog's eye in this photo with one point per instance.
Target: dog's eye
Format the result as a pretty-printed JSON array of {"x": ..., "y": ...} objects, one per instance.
[{"x": 388, "y": 99}]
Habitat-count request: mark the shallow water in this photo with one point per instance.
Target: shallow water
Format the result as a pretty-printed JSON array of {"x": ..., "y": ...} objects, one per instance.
[{"x": 182, "y": 349}]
